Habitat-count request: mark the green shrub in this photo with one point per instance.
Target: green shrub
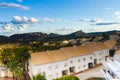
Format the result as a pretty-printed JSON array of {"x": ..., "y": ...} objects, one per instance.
[
  {"x": 112, "y": 52},
  {"x": 39, "y": 76},
  {"x": 68, "y": 78},
  {"x": 96, "y": 78}
]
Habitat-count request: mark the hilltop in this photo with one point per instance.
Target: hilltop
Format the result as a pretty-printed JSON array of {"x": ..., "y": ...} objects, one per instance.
[{"x": 26, "y": 38}]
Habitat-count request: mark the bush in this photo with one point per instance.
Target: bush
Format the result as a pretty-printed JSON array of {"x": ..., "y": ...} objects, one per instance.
[
  {"x": 68, "y": 78},
  {"x": 39, "y": 76},
  {"x": 96, "y": 78},
  {"x": 112, "y": 52}
]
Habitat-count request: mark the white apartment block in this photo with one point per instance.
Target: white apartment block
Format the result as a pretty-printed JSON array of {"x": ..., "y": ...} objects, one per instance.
[
  {"x": 68, "y": 60},
  {"x": 111, "y": 69}
]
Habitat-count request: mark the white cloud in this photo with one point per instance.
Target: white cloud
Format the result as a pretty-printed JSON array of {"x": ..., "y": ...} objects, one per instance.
[
  {"x": 117, "y": 13},
  {"x": 13, "y": 5},
  {"x": 96, "y": 20},
  {"x": 66, "y": 21},
  {"x": 17, "y": 19},
  {"x": 25, "y": 18},
  {"x": 106, "y": 8},
  {"x": 7, "y": 27},
  {"x": 46, "y": 19},
  {"x": 19, "y": 24},
  {"x": 33, "y": 20},
  {"x": 83, "y": 20}
]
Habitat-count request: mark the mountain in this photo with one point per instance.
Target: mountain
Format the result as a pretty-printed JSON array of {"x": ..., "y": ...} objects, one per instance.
[
  {"x": 80, "y": 34},
  {"x": 39, "y": 36},
  {"x": 106, "y": 32}
]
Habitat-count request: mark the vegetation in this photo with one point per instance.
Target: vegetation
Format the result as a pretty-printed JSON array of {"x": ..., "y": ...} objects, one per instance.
[
  {"x": 15, "y": 59},
  {"x": 39, "y": 76},
  {"x": 112, "y": 52},
  {"x": 68, "y": 78},
  {"x": 96, "y": 78}
]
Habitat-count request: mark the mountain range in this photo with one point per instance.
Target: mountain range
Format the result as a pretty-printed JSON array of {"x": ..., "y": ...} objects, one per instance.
[{"x": 39, "y": 36}]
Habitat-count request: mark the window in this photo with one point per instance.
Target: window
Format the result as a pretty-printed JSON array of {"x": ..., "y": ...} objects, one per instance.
[
  {"x": 90, "y": 57},
  {"x": 50, "y": 67},
  {"x": 78, "y": 67},
  {"x": 38, "y": 70},
  {"x": 56, "y": 74},
  {"x": 83, "y": 66},
  {"x": 71, "y": 61},
  {"x": 78, "y": 60},
  {"x": 56, "y": 66},
  {"x": 84, "y": 59},
  {"x": 99, "y": 59},
  {"x": 50, "y": 75},
  {"x": 65, "y": 64}
]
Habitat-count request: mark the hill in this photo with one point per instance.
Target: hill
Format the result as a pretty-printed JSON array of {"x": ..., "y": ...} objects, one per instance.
[{"x": 26, "y": 38}]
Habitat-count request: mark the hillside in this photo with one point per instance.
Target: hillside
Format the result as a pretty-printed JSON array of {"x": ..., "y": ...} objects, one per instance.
[{"x": 39, "y": 36}]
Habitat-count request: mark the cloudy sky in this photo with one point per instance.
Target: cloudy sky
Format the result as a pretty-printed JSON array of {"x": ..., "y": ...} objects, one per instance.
[{"x": 58, "y": 16}]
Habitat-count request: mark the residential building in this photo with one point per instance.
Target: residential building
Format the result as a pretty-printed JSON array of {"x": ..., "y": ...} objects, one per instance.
[
  {"x": 68, "y": 60},
  {"x": 111, "y": 69},
  {"x": 4, "y": 72},
  {"x": 114, "y": 36}
]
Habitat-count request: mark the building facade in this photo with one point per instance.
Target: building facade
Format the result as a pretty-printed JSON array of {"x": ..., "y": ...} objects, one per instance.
[
  {"x": 111, "y": 69},
  {"x": 69, "y": 60}
]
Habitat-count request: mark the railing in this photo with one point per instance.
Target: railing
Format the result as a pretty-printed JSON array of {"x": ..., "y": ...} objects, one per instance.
[{"x": 106, "y": 74}]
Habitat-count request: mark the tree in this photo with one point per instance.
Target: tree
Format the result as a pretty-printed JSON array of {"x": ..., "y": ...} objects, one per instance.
[
  {"x": 22, "y": 55},
  {"x": 112, "y": 52},
  {"x": 39, "y": 76},
  {"x": 8, "y": 59},
  {"x": 16, "y": 60},
  {"x": 68, "y": 78}
]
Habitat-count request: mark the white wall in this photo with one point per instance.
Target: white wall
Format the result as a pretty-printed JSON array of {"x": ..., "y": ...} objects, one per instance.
[
  {"x": 100, "y": 55},
  {"x": 54, "y": 70}
]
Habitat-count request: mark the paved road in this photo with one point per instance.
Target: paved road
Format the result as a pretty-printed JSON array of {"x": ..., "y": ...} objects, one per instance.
[{"x": 94, "y": 72}]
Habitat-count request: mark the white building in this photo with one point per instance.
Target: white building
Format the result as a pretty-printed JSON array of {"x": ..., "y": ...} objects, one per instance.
[
  {"x": 69, "y": 60},
  {"x": 4, "y": 72},
  {"x": 111, "y": 69},
  {"x": 114, "y": 36}
]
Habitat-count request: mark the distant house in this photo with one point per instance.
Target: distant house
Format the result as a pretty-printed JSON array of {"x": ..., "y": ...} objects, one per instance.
[
  {"x": 65, "y": 42},
  {"x": 115, "y": 36},
  {"x": 4, "y": 72},
  {"x": 117, "y": 55},
  {"x": 69, "y": 60},
  {"x": 111, "y": 69}
]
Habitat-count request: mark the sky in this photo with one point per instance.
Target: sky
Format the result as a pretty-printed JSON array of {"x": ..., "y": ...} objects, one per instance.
[{"x": 58, "y": 16}]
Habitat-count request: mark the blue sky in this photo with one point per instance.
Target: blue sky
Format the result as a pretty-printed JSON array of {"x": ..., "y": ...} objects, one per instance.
[{"x": 58, "y": 16}]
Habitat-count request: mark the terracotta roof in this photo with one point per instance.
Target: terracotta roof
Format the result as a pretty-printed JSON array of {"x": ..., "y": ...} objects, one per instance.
[
  {"x": 82, "y": 50},
  {"x": 110, "y": 43},
  {"x": 65, "y": 53},
  {"x": 69, "y": 52},
  {"x": 94, "y": 46},
  {"x": 47, "y": 57}
]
